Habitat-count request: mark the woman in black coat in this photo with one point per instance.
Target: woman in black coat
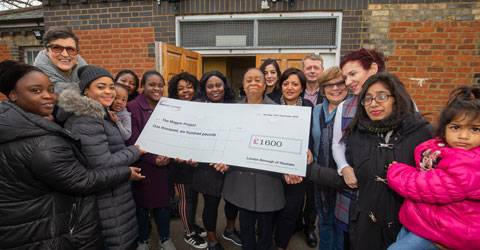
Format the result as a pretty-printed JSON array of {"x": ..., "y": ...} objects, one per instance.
[
  {"x": 184, "y": 86},
  {"x": 292, "y": 84},
  {"x": 44, "y": 177},
  {"x": 85, "y": 115},
  {"x": 214, "y": 87},
  {"x": 385, "y": 128}
]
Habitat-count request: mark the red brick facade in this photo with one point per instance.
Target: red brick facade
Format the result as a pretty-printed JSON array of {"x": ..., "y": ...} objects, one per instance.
[{"x": 118, "y": 49}]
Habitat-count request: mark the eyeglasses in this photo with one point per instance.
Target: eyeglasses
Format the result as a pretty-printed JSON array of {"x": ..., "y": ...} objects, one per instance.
[
  {"x": 340, "y": 85},
  {"x": 378, "y": 99},
  {"x": 59, "y": 49}
]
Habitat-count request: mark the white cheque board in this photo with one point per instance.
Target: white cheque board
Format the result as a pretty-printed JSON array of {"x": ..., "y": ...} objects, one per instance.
[{"x": 268, "y": 137}]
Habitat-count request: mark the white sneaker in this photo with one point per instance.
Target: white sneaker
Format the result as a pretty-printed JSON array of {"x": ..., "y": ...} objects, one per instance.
[
  {"x": 143, "y": 246},
  {"x": 166, "y": 245}
]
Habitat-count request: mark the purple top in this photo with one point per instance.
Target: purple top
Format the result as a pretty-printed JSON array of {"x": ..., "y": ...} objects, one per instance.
[{"x": 151, "y": 192}]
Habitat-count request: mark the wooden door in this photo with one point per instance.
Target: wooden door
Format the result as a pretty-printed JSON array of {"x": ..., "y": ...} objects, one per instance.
[
  {"x": 171, "y": 60},
  {"x": 285, "y": 61}
]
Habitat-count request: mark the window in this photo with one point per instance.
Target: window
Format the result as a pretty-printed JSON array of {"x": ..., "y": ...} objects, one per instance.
[
  {"x": 261, "y": 31},
  {"x": 29, "y": 54}
]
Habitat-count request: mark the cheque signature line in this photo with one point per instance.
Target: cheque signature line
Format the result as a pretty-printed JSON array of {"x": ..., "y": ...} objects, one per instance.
[
  {"x": 176, "y": 146},
  {"x": 196, "y": 137}
]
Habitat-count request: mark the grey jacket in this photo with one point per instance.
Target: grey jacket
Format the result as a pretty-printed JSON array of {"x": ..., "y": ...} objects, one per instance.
[
  {"x": 252, "y": 189},
  {"x": 104, "y": 147},
  {"x": 124, "y": 123},
  {"x": 59, "y": 80}
]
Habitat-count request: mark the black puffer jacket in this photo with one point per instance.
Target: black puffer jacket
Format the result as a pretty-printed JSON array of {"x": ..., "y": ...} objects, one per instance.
[
  {"x": 42, "y": 180},
  {"x": 104, "y": 147}
]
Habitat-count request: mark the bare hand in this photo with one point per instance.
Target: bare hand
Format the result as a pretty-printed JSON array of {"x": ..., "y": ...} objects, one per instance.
[
  {"x": 192, "y": 163},
  {"x": 440, "y": 246},
  {"x": 349, "y": 177},
  {"x": 292, "y": 179},
  {"x": 49, "y": 117},
  {"x": 142, "y": 152},
  {"x": 309, "y": 157},
  {"x": 135, "y": 174},
  {"x": 178, "y": 160},
  {"x": 113, "y": 116},
  {"x": 220, "y": 167},
  {"x": 393, "y": 162},
  {"x": 162, "y": 160}
]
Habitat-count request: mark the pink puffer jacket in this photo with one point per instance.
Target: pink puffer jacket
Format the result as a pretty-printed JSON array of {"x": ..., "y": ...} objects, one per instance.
[{"x": 442, "y": 194}]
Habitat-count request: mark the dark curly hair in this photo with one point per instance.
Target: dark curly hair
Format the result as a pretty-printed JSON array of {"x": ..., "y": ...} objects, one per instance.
[
  {"x": 229, "y": 94},
  {"x": 464, "y": 102},
  {"x": 127, "y": 71},
  {"x": 365, "y": 57},
  {"x": 173, "y": 83}
]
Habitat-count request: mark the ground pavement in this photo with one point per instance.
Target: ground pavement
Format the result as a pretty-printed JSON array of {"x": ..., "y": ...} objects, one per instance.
[{"x": 176, "y": 233}]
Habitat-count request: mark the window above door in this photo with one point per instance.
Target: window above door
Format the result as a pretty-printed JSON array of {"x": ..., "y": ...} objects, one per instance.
[{"x": 306, "y": 30}]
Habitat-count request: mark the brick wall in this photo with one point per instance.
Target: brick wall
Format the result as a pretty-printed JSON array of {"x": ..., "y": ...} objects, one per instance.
[
  {"x": 116, "y": 35},
  {"x": 4, "y": 52},
  {"x": 11, "y": 45},
  {"x": 438, "y": 42},
  {"x": 118, "y": 49}
]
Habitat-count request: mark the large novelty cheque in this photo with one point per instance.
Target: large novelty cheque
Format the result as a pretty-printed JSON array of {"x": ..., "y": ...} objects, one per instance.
[{"x": 268, "y": 137}]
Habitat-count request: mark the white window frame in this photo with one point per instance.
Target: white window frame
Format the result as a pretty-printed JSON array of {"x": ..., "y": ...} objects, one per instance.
[
  {"x": 30, "y": 49},
  {"x": 252, "y": 52}
]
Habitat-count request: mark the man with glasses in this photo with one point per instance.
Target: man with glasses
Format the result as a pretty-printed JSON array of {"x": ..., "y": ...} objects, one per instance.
[{"x": 60, "y": 59}]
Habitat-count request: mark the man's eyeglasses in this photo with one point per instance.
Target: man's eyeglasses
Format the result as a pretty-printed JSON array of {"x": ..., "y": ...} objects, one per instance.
[
  {"x": 329, "y": 86},
  {"x": 378, "y": 99},
  {"x": 59, "y": 49}
]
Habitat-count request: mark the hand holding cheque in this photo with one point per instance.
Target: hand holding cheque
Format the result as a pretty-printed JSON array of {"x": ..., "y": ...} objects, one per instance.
[{"x": 267, "y": 137}]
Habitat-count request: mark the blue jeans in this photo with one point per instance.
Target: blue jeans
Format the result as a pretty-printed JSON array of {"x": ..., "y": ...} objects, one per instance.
[
  {"x": 162, "y": 220},
  {"x": 330, "y": 236},
  {"x": 407, "y": 240}
]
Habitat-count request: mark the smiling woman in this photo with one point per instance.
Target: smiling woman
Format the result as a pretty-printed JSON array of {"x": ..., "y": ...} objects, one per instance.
[
  {"x": 85, "y": 115},
  {"x": 387, "y": 127},
  {"x": 46, "y": 181},
  {"x": 60, "y": 59}
]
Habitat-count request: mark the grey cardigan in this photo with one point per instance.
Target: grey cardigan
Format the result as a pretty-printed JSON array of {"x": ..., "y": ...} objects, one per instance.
[
  {"x": 104, "y": 147},
  {"x": 252, "y": 189}
]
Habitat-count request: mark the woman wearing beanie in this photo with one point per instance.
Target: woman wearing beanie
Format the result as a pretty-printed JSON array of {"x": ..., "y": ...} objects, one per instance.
[
  {"x": 85, "y": 115},
  {"x": 45, "y": 181}
]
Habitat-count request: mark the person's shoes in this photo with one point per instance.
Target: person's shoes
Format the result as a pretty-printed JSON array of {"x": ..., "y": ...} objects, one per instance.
[
  {"x": 166, "y": 245},
  {"x": 311, "y": 238},
  {"x": 143, "y": 246},
  {"x": 232, "y": 236},
  {"x": 195, "y": 241},
  {"x": 216, "y": 247},
  {"x": 199, "y": 231}
]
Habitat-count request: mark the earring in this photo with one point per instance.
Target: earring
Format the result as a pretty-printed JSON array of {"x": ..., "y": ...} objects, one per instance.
[{"x": 12, "y": 97}]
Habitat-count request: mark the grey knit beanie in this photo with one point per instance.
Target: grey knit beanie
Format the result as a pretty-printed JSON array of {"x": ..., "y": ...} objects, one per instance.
[{"x": 89, "y": 73}]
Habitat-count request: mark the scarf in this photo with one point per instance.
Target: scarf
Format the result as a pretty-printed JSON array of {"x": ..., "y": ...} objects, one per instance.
[
  {"x": 383, "y": 126},
  {"x": 298, "y": 103}
]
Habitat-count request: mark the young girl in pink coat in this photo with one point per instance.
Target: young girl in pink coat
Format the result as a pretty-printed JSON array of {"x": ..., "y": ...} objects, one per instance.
[{"x": 442, "y": 195}]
